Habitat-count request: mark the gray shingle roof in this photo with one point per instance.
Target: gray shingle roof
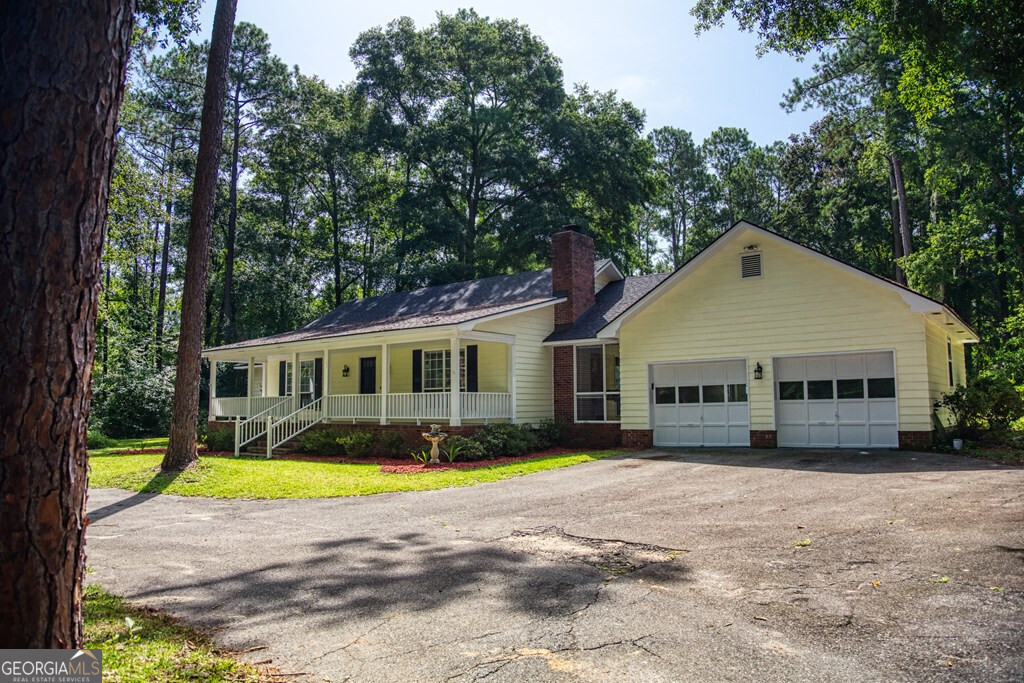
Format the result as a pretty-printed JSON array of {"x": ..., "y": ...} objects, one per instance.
[
  {"x": 426, "y": 307},
  {"x": 615, "y": 298}
]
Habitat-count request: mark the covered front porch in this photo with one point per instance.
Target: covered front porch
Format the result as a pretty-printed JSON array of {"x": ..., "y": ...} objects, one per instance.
[{"x": 401, "y": 380}]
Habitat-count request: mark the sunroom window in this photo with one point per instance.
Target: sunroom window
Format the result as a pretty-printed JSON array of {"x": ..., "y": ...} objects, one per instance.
[{"x": 597, "y": 383}]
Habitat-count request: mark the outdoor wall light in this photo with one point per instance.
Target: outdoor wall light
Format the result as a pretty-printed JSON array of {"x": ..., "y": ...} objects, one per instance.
[
  {"x": 758, "y": 371},
  {"x": 344, "y": 371}
]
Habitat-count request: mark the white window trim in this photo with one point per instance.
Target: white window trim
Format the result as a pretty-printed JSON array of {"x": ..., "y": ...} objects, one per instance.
[
  {"x": 595, "y": 394},
  {"x": 446, "y": 370}
]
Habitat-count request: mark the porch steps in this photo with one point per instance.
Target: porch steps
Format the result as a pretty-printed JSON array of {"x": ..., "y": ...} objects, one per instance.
[{"x": 259, "y": 447}]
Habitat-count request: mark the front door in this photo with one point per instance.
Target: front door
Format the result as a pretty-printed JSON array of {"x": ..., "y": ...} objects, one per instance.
[{"x": 368, "y": 375}]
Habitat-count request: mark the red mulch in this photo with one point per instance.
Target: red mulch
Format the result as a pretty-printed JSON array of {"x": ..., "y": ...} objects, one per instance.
[
  {"x": 387, "y": 465},
  {"x": 403, "y": 466}
]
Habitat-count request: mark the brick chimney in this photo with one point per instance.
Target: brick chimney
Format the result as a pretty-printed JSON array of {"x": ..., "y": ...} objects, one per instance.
[{"x": 572, "y": 274}]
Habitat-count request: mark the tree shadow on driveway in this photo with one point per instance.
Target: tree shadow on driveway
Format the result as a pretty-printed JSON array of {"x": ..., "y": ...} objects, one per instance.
[
  {"x": 154, "y": 487},
  {"x": 332, "y": 583}
]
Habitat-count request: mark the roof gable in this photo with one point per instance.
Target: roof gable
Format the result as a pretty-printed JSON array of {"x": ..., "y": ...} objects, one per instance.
[{"x": 918, "y": 303}]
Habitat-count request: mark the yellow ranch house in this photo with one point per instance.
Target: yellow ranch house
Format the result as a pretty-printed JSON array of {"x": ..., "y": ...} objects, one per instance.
[{"x": 757, "y": 341}]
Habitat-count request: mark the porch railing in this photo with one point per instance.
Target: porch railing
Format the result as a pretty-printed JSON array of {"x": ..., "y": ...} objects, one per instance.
[
  {"x": 484, "y": 405},
  {"x": 294, "y": 424},
  {"x": 352, "y": 406},
  {"x": 424, "y": 406},
  {"x": 256, "y": 426},
  {"x": 247, "y": 406}
]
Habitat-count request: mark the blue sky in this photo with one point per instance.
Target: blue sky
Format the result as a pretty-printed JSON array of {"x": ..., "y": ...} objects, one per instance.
[{"x": 645, "y": 50}]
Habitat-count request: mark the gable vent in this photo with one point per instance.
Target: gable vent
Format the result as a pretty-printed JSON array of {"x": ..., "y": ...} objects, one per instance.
[{"x": 750, "y": 265}]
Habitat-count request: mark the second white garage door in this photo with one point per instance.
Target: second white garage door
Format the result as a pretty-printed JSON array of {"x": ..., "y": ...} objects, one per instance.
[
  {"x": 846, "y": 399},
  {"x": 701, "y": 404}
]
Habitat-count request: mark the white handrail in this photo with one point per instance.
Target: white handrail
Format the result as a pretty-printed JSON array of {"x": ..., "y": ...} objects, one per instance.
[
  {"x": 255, "y": 426},
  {"x": 294, "y": 424}
]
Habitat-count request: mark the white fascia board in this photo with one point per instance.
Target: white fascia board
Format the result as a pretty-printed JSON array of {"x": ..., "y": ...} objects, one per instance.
[
  {"x": 338, "y": 342},
  {"x": 581, "y": 342},
  {"x": 611, "y": 264}
]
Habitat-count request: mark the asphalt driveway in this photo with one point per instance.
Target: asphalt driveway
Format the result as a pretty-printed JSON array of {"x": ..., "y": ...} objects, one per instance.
[{"x": 658, "y": 566}]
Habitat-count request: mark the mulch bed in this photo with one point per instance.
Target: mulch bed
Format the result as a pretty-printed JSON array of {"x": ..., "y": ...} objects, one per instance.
[
  {"x": 387, "y": 465},
  {"x": 403, "y": 466}
]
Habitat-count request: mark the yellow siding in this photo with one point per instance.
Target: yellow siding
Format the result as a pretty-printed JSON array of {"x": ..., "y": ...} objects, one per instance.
[
  {"x": 532, "y": 361},
  {"x": 492, "y": 372},
  {"x": 938, "y": 368},
  {"x": 800, "y": 305}
]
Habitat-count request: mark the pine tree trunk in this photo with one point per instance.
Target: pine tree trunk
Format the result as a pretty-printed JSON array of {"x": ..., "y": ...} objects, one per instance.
[
  {"x": 901, "y": 196},
  {"x": 64, "y": 69},
  {"x": 181, "y": 448},
  {"x": 161, "y": 302},
  {"x": 897, "y": 233},
  {"x": 227, "y": 329}
]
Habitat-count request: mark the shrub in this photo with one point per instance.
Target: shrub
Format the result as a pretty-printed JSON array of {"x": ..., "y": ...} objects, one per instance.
[
  {"x": 358, "y": 444},
  {"x": 551, "y": 433},
  {"x": 97, "y": 439},
  {"x": 320, "y": 442},
  {"x": 133, "y": 401},
  {"x": 507, "y": 439},
  {"x": 221, "y": 440},
  {"x": 989, "y": 404},
  {"x": 462, "y": 449},
  {"x": 392, "y": 443}
]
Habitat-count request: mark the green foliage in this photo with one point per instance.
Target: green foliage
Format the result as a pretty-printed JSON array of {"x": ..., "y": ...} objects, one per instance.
[
  {"x": 134, "y": 401},
  {"x": 551, "y": 433},
  {"x": 321, "y": 442},
  {"x": 500, "y": 440},
  {"x": 360, "y": 443},
  {"x": 989, "y": 403},
  {"x": 97, "y": 439},
  {"x": 392, "y": 442},
  {"x": 465, "y": 450},
  {"x": 422, "y": 457},
  {"x": 221, "y": 440}
]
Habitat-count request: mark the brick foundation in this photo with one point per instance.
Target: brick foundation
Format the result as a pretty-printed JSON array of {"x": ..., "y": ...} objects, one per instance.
[
  {"x": 593, "y": 435},
  {"x": 637, "y": 438},
  {"x": 763, "y": 438},
  {"x": 915, "y": 440}
]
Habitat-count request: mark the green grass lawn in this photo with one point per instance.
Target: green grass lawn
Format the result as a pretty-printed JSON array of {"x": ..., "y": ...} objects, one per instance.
[
  {"x": 152, "y": 646},
  {"x": 219, "y": 477}
]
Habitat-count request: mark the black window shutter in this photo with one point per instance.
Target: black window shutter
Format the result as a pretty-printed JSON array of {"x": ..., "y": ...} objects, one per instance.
[
  {"x": 282, "y": 378},
  {"x": 471, "y": 369},
  {"x": 318, "y": 378},
  {"x": 417, "y": 371}
]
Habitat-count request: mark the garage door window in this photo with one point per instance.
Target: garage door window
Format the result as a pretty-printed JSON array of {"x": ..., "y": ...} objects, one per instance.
[
  {"x": 689, "y": 394},
  {"x": 791, "y": 391},
  {"x": 737, "y": 393},
  {"x": 850, "y": 388},
  {"x": 882, "y": 387},
  {"x": 819, "y": 390},
  {"x": 597, "y": 384}
]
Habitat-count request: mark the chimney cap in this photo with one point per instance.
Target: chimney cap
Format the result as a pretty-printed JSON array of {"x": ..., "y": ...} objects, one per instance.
[{"x": 572, "y": 227}]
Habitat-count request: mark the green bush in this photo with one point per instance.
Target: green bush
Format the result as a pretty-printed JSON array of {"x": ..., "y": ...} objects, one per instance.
[
  {"x": 133, "y": 401},
  {"x": 392, "y": 443},
  {"x": 459, "y": 448},
  {"x": 986, "y": 407},
  {"x": 97, "y": 439},
  {"x": 551, "y": 433},
  {"x": 359, "y": 444},
  {"x": 320, "y": 442},
  {"x": 500, "y": 440},
  {"x": 221, "y": 440}
]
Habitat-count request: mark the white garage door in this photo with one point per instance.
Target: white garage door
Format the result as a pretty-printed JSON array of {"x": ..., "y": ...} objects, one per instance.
[
  {"x": 846, "y": 400},
  {"x": 701, "y": 404}
]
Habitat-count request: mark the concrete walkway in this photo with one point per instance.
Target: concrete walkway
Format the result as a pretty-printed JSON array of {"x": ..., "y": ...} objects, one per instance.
[{"x": 663, "y": 565}]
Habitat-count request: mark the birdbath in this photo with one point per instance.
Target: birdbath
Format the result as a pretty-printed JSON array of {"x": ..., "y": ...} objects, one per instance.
[{"x": 435, "y": 436}]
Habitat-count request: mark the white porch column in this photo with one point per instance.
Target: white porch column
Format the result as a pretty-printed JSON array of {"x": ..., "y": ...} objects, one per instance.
[
  {"x": 265, "y": 370},
  {"x": 385, "y": 382},
  {"x": 250, "y": 377},
  {"x": 456, "y": 391},
  {"x": 325, "y": 378},
  {"x": 295, "y": 381},
  {"x": 512, "y": 378},
  {"x": 213, "y": 387}
]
